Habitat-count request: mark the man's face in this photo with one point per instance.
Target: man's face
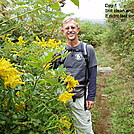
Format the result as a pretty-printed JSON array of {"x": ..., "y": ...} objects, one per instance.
[{"x": 70, "y": 30}]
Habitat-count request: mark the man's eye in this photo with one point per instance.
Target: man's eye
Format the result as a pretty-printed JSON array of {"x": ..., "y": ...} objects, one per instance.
[
  {"x": 67, "y": 28},
  {"x": 72, "y": 27}
]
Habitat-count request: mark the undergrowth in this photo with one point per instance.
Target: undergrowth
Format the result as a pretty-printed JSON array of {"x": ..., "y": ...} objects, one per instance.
[{"x": 113, "y": 112}]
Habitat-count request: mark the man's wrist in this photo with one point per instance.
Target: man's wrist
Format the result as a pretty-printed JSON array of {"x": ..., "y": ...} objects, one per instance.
[{"x": 90, "y": 98}]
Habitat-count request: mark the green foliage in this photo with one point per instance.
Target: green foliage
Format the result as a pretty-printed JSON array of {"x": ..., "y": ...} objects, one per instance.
[
  {"x": 27, "y": 32},
  {"x": 91, "y": 33},
  {"x": 114, "y": 100},
  {"x": 35, "y": 16},
  {"x": 76, "y": 2},
  {"x": 33, "y": 107},
  {"x": 119, "y": 35}
]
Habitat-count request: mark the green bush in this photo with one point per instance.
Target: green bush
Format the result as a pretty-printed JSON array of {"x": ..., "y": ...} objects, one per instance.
[{"x": 91, "y": 33}]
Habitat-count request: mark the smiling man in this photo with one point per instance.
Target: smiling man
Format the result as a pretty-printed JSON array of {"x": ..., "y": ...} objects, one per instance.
[{"x": 82, "y": 70}]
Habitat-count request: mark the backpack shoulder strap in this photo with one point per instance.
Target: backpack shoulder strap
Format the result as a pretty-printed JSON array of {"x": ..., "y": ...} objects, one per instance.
[
  {"x": 84, "y": 49},
  {"x": 85, "y": 55}
]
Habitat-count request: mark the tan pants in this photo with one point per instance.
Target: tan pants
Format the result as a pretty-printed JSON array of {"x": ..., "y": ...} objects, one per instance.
[{"x": 83, "y": 122}]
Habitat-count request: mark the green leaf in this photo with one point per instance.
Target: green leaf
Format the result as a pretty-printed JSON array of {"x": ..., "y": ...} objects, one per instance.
[
  {"x": 55, "y": 6},
  {"x": 52, "y": 81},
  {"x": 37, "y": 65},
  {"x": 40, "y": 2},
  {"x": 76, "y": 2}
]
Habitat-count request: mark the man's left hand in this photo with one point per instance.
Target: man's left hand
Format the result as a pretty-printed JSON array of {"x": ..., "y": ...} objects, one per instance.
[{"x": 89, "y": 104}]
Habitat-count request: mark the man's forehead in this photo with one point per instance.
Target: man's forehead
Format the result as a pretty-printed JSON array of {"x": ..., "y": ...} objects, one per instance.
[{"x": 72, "y": 22}]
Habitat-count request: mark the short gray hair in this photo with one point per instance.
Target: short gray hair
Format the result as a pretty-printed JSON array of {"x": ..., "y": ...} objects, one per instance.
[{"x": 68, "y": 19}]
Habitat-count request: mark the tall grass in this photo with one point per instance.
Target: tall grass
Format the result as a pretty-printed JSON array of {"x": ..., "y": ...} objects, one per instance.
[{"x": 113, "y": 112}]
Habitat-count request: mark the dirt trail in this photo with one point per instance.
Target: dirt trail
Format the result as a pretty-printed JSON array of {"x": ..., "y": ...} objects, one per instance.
[{"x": 102, "y": 123}]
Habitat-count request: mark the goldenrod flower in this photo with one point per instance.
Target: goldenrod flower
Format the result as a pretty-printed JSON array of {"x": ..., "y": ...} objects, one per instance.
[
  {"x": 47, "y": 66},
  {"x": 20, "y": 107},
  {"x": 21, "y": 41},
  {"x": 65, "y": 122},
  {"x": 9, "y": 74},
  {"x": 8, "y": 35},
  {"x": 25, "y": 90},
  {"x": 1, "y": 15},
  {"x": 66, "y": 96},
  {"x": 12, "y": 80},
  {"x": 4, "y": 37},
  {"x": 37, "y": 38},
  {"x": 10, "y": 42},
  {"x": 71, "y": 82},
  {"x": 18, "y": 93},
  {"x": 14, "y": 52},
  {"x": 50, "y": 43},
  {"x": 22, "y": 103}
]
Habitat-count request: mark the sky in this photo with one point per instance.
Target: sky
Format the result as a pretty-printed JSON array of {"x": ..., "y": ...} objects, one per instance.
[{"x": 88, "y": 9}]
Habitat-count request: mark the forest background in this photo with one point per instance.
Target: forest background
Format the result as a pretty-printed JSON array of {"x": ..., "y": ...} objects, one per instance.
[{"x": 30, "y": 88}]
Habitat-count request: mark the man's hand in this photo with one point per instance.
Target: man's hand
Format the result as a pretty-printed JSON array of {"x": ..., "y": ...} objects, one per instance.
[{"x": 89, "y": 104}]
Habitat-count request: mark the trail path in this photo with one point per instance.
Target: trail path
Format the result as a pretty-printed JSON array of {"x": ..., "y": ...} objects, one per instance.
[{"x": 102, "y": 105}]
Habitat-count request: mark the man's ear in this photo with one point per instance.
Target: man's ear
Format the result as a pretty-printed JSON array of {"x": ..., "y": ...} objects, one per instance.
[
  {"x": 79, "y": 29},
  {"x": 62, "y": 31}
]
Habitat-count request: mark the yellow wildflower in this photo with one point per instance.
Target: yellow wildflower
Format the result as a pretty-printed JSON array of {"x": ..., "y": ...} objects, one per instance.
[
  {"x": 35, "y": 42},
  {"x": 8, "y": 35},
  {"x": 14, "y": 52},
  {"x": 22, "y": 103},
  {"x": 47, "y": 66},
  {"x": 1, "y": 15},
  {"x": 65, "y": 97},
  {"x": 9, "y": 40},
  {"x": 63, "y": 121},
  {"x": 21, "y": 41},
  {"x": 25, "y": 90},
  {"x": 12, "y": 80},
  {"x": 37, "y": 38},
  {"x": 50, "y": 43},
  {"x": 59, "y": 42},
  {"x": 9, "y": 74},
  {"x": 71, "y": 82},
  {"x": 20, "y": 107},
  {"x": 25, "y": 49},
  {"x": 18, "y": 93},
  {"x": 4, "y": 37}
]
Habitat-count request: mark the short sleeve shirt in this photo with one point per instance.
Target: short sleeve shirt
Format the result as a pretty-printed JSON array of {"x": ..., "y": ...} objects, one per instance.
[{"x": 75, "y": 62}]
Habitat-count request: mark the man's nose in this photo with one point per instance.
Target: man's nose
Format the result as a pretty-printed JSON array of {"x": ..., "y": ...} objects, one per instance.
[{"x": 70, "y": 29}]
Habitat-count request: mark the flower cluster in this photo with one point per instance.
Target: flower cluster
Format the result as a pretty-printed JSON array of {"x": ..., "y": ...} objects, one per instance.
[
  {"x": 20, "y": 40},
  {"x": 20, "y": 106},
  {"x": 9, "y": 74},
  {"x": 50, "y": 43},
  {"x": 63, "y": 121},
  {"x": 71, "y": 83},
  {"x": 65, "y": 97}
]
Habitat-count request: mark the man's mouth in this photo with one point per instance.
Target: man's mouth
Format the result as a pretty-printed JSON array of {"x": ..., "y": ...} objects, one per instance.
[{"x": 70, "y": 33}]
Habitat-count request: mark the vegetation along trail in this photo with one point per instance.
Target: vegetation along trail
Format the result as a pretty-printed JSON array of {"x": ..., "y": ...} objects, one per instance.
[
  {"x": 30, "y": 36},
  {"x": 112, "y": 113}
]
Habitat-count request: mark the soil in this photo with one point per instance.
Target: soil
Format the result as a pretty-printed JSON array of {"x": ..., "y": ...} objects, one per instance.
[{"x": 102, "y": 104}]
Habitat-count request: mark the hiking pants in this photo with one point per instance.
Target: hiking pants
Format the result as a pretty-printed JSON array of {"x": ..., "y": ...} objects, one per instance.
[{"x": 82, "y": 118}]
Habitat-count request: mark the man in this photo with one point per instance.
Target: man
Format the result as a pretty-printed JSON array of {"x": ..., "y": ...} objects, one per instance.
[{"x": 76, "y": 65}]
